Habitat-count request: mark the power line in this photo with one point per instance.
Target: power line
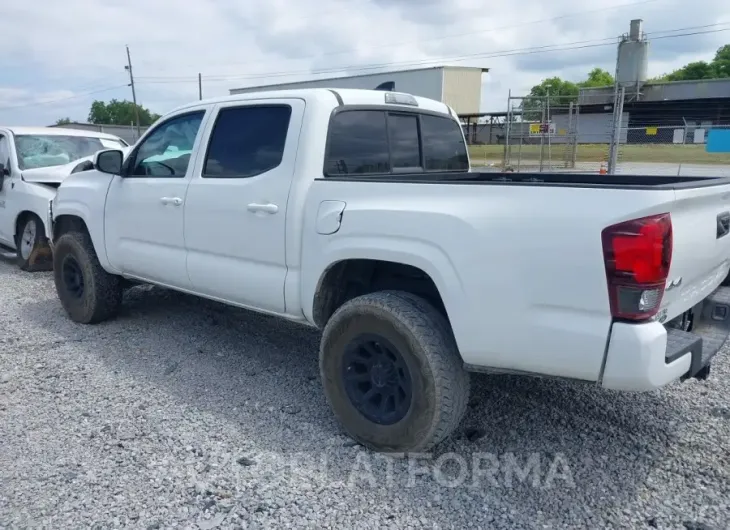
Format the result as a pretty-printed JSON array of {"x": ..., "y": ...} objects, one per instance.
[
  {"x": 577, "y": 45},
  {"x": 421, "y": 62},
  {"x": 692, "y": 33},
  {"x": 75, "y": 96},
  {"x": 502, "y": 53},
  {"x": 608, "y": 41},
  {"x": 463, "y": 34}
]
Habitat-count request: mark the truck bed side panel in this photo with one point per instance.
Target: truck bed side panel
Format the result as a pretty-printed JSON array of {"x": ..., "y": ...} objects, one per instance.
[{"x": 520, "y": 269}]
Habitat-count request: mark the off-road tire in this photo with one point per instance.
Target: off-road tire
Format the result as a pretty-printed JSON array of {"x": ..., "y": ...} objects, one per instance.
[
  {"x": 40, "y": 257},
  {"x": 102, "y": 293},
  {"x": 423, "y": 336}
]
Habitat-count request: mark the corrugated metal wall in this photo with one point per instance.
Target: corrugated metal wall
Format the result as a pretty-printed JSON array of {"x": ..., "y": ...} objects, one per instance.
[
  {"x": 424, "y": 83},
  {"x": 463, "y": 89},
  {"x": 676, "y": 91},
  {"x": 592, "y": 128}
]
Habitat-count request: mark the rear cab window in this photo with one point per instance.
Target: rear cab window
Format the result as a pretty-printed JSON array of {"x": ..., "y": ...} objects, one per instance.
[{"x": 383, "y": 141}]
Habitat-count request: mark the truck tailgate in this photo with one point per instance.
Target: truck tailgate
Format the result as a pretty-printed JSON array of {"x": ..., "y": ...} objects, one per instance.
[{"x": 701, "y": 247}]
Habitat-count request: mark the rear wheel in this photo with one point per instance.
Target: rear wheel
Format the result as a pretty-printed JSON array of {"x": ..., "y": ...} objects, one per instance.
[
  {"x": 392, "y": 373},
  {"x": 33, "y": 252},
  {"x": 87, "y": 292}
]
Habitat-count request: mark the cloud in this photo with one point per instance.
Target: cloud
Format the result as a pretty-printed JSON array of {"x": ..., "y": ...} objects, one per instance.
[{"x": 59, "y": 56}]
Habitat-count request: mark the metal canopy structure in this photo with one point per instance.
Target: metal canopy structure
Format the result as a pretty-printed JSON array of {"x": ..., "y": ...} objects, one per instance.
[{"x": 490, "y": 120}]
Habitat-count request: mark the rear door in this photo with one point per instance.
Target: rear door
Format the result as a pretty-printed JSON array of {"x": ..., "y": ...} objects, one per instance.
[
  {"x": 236, "y": 206},
  {"x": 701, "y": 246}
]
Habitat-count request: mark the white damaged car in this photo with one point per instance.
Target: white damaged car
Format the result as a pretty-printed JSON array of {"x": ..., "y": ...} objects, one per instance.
[{"x": 33, "y": 163}]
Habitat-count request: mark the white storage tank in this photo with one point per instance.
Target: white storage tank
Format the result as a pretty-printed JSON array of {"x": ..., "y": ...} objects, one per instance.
[{"x": 633, "y": 56}]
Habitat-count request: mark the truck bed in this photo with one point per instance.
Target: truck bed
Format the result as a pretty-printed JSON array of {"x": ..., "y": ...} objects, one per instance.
[
  {"x": 571, "y": 180},
  {"x": 524, "y": 251}
]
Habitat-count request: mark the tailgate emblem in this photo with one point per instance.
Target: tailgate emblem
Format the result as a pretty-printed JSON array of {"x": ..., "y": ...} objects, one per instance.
[{"x": 723, "y": 224}]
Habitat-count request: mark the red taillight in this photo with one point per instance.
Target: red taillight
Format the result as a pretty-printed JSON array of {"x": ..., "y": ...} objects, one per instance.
[{"x": 637, "y": 255}]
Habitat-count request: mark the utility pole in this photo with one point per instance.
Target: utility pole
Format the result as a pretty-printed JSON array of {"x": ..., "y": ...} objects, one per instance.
[
  {"x": 200, "y": 86},
  {"x": 134, "y": 94}
]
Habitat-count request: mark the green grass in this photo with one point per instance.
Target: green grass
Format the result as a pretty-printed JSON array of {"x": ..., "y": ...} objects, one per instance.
[{"x": 663, "y": 153}]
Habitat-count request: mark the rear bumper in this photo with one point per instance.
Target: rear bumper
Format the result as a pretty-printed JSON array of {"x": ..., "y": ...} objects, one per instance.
[{"x": 648, "y": 356}]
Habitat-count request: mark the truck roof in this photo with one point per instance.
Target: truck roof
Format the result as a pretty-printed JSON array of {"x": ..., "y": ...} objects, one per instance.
[
  {"x": 58, "y": 131},
  {"x": 349, "y": 96}
]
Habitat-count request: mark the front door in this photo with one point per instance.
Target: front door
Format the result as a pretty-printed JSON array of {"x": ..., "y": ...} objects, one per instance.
[
  {"x": 235, "y": 212},
  {"x": 144, "y": 208}
]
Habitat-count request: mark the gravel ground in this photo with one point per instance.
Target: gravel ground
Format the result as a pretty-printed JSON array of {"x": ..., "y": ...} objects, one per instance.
[{"x": 184, "y": 413}]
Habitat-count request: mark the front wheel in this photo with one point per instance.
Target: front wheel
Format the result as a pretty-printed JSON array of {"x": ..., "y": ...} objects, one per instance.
[
  {"x": 392, "y": 372},
  {"x": 33, "y": 252},
  {"x": 87, "y": 292}
]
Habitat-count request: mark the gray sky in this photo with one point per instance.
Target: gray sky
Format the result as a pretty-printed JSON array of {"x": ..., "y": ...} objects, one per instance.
[{"x": 56, "y": 52}]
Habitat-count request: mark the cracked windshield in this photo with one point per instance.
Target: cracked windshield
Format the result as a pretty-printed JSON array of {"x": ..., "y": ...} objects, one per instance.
[{"x": 37, "y": 151}]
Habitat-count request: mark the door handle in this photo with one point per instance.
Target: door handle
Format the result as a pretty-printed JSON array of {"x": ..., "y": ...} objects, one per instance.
[
  {"x": 177, "y": 201},
  {"x": 266, "y": 208}
]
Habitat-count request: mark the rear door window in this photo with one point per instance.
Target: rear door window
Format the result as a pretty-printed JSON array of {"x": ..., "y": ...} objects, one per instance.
[
  {"x": 247, "y": 141},
  {"x": 443, "y": 144}
]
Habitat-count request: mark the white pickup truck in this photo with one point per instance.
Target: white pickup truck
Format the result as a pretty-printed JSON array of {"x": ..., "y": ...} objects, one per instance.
[
  {"x": 356, "y": 212},
  {"x": 33, "y": 162}
]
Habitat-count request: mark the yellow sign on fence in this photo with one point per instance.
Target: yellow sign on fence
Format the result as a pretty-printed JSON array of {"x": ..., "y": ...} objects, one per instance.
[
  {"x": 651, "y": 131},
  {"x": 534, "y": 128}
]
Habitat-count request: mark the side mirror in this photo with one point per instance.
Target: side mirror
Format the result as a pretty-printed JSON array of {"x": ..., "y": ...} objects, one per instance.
[{"x": 109, "y": 161}]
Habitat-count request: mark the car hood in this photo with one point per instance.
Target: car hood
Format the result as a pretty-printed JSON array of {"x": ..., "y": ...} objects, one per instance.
[{"x": 57, "y": 174}]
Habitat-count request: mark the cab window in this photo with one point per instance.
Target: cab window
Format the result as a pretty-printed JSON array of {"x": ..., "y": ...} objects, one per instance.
[{"x": 166, "y": 151}]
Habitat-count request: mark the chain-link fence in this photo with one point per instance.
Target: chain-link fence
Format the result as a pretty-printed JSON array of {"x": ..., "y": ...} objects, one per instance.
[
  {"x": 553, "y": 133},
  {"x": 671, "y": 149},
  {"x": 546, "y": 133},
  {"x": 541, "y": 134}
]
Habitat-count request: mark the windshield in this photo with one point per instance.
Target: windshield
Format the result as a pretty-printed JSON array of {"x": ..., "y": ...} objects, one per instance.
[{"x": 35, "y": 150}]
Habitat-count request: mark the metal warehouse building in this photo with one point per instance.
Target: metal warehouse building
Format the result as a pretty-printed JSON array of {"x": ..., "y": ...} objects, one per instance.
[
  {"x": 460, "y": 87},
  {"x": 685, "y": 105}
]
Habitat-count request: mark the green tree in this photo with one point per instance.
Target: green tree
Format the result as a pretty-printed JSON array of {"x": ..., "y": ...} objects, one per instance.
[
  {"x": 563, "y": 92},
  {"x": 558, "y": 91},
  {"x": 718, "y": 68},
  {"x": 596, "y": 78},
  {"x": 63, "y": 121},
  {"x": 722, "y": 61},
  {"x": 692, "y": 71},
  {"x": 120, "y": 113}
]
